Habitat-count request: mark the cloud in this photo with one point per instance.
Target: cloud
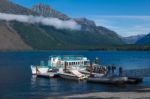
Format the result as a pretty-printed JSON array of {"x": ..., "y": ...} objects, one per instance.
[
  {"x": 137, "y": 30},
  {"x": 124, "y": 25},
  {"x": 55, "y": 22},
  {"x": 122, "y": 17}
]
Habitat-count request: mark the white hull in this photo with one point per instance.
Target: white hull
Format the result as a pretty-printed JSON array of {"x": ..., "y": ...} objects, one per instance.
[
  {"x": 70, "y": 76},
  {"x": 33, "y": 70},
  {"x": 87, "y": 73},
  {"x": 38, "y": 69},
  {"x": 43, "y": 69},
  {"x": 73, "y": 75}
]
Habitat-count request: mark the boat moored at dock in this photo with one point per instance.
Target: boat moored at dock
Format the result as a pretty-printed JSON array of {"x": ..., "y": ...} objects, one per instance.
[
  {"x": 73, "y": 63},
  {"x": 72, "y": 76}
]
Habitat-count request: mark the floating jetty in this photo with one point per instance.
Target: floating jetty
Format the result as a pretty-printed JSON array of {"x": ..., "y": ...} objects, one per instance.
[
  {"x": 108, "y": 80},
  {"x": 134, "y": 80}
]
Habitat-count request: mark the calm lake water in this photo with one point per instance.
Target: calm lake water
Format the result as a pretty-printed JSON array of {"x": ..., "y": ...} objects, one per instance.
[{"x": 16, "y": 81}]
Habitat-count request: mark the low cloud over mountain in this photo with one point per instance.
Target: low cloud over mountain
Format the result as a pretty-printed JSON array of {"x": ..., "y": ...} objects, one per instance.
[{"x": 55, "y": 22}]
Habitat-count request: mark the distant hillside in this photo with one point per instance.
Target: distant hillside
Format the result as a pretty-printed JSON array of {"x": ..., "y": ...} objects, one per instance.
[
  {"x": 46, "y": 37},
  {"x": 36, "y": 36},
  {"x": 145, "y": 40},
  {"x": 133, "y": 39},
  {"x": 10, "y": 40}
]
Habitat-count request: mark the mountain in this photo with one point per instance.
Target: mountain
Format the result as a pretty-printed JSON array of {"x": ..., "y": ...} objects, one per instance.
[
  {"x": 145, "y": 40},
  {"x": 10, "y": 7},
  {"x": 86, "y": 24},
  {"x": 10, "y": 40},
  {"x": 26, "y": 36},
  {"x": 133, "y": 39},
  {"x": 47, "y": 11}
]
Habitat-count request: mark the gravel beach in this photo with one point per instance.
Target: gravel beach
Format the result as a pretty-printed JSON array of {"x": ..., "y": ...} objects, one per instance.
[{"x": 137, "y": 94}]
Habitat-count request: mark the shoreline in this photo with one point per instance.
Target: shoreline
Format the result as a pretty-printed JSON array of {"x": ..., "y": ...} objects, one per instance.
[
  {"x": 2, "y": 51},
  {"x": 112, "y": 95},
  {"x": 143, "y": 93}
]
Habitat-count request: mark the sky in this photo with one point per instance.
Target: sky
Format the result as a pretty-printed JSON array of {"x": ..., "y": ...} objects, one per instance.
[{"x": 126, "y": 17}]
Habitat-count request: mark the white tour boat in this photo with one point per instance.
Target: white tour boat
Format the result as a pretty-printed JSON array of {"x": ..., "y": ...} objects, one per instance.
[{"x": 74, "y": 63}]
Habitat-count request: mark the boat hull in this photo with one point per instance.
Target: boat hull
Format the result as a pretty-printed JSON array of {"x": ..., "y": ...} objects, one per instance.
[
  {"x": 33, "y": 70},
  {"x": 48, "y": 75},
  {"x": 95, "y": 74},
  {"x": 39, "y": 69},
  {"x": 70, "y": 76}
]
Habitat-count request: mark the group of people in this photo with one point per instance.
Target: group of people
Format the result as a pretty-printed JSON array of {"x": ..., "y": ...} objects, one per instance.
[
  {"x": 111, "y": 70},
  {"x": 100, "y": 69},
  {"x": 108, "y": 70}
]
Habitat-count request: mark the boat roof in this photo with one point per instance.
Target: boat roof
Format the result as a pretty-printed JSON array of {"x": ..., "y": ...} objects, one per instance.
[{"x": 69, "y": 57}]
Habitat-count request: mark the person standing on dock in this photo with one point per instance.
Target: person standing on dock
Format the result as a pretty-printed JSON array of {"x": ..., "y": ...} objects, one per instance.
[
  {"x": 120, "y": 71},
  {"x": 113, "y": 68},
  {"x": 91, "y": 68},
  {"x": 65, "y": 68},
  {"x": 109, "y": 69}
]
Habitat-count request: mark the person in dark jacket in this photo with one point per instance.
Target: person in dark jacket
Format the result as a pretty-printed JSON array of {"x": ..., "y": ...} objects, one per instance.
[
  {"x": 109, "y": 69},
  {"x": 120, "y": 71},
  {"x": 113, "y": 69}
]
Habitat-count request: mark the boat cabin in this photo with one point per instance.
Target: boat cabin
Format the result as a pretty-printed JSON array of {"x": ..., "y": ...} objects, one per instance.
[{"x": 69, "y": 61}]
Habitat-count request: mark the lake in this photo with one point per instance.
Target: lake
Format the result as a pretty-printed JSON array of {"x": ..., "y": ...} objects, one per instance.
[{"x": 16, "y": 80}]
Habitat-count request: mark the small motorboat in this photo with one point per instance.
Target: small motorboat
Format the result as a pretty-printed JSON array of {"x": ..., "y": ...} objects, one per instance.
[
  {"x": 44, "y": 71},
  {"x": 71, "y": 74}
]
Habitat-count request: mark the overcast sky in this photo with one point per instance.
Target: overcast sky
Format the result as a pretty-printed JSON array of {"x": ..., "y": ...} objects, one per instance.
[{"x": 126, "y": 17}]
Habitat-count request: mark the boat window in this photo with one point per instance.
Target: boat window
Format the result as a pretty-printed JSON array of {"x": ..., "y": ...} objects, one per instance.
[
  {"x": 69, "y": 63},
  {"x": 85, "y": 62}
]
